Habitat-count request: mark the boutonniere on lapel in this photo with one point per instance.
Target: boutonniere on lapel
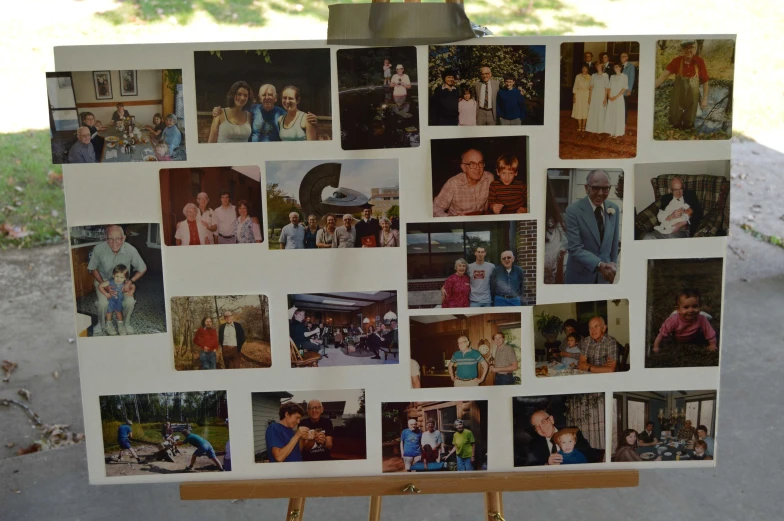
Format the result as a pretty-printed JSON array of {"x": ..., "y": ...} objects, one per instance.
[{"x": 610, "y": 211}]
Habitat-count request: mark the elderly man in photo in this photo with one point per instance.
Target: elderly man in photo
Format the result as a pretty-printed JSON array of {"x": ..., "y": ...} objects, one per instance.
[
  {"x": 445, "y": 100},
  {"x": 486, "y": 91},
  {"x": 226, "y": 217},
  {"x": 587, "y": 62},
  {"x": 629, "y": 70},
  {"x": 432, "y": 437},
  {"x": 231, "y": 337},
  {"x": 292, "y": 236},
  {"x": 367, "y": 230},
  {"x": 465, "y": 193},
  {"x": 319, "y": 447},
  {"x": 504, "y": 361},
  {"x": 593, "y": 234},
  {"x": 104, "y": 257},
  {"x": 82, "y": 151},
  {"x": 672, "y": 208},
  {"x": 463, "y": 446},
  {"x": 299, "y": 334},
  {"x": 506, "y": 282},
  {"x": 345, "y": 236},
  {"x": 411, "y": 444},
  {"x": 479, "y": 273},
  {"x": 687, "y": 432},
  {"x": 598, "y": 351},
  {"x": 542, "y": 450},
  {"x": 466, "y": 365}
]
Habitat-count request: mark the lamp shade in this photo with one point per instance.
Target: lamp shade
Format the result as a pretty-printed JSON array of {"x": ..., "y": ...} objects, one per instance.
[
  {"x": 366, "y": 321},
  {"x": 390, "y": 316}
]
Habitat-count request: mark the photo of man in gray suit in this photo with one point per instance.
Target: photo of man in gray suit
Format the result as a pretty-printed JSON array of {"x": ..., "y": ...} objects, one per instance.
[{"x": 486, "y": 91}]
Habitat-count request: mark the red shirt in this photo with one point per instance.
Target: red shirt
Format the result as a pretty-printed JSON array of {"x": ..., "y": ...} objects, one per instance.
[
  {"x": 207, "y": 339},
  {"x": 194, "y": 231},
  {"x": 458, "y": 289},
  {"x": 690, "y": 70},
  {"x": 685, "y": 331}
]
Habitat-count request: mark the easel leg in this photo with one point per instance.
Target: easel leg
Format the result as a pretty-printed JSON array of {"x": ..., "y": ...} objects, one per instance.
[
  {"x": 494, "y": 506},
  {"x": 296, "y": 509},
  {"x": 375, "y": 508}
]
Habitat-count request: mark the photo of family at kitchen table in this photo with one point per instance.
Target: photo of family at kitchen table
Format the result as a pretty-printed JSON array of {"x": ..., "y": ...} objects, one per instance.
[
  {"x": 234, "y": 217},
  {"x": 91, "y": 122},
  {"x": 434, "y": 436},
  {"x": 664, "y": 426},
  {"x": 471, "y": 264},
  {"x": 263, "y": 95}
]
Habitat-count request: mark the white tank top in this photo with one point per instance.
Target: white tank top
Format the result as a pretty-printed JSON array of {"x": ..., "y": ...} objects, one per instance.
[
  {"x": 228, "y": 132},
  {"x": 293, "y": 133}
]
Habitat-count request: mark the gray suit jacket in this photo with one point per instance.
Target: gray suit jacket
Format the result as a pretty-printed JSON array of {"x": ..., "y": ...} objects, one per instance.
[
  {"x": 585, "y": 248},
  {"x": 494, "y": 88}
]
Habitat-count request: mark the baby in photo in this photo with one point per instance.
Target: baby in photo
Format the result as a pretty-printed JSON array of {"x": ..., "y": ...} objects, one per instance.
[
  {"x": 676, "y": 223},
  {"x": 113, "y": 291},
  {"x": 571, "y": 353},
  {"x": 566, "y": 439},
  {"x": 507, "y": 194},
  {"x": 687, "y": 325}
]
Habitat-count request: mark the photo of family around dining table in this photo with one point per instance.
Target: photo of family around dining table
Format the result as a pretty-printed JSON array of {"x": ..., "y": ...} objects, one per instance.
[
  {"x": 379, "y": 97},
  {"x": 338, "y": 329},
  {"x": 118, "y": 279},
  {"x": 350, "y": 203},
  {"x": 479, "y": 176},
  {"x": 263, "y": 95},
  {"x": 664, "y": 426},
  {"x": 563, "y": 429},
  {"x": 471, "y": 264},
  {"x": 486, "y": 85},
  {"x": 297, "y": 426},
  {"x": 682, "y": 200},
  {"x": 211, "y": 205},
  {"x": 598, "y": 109},
  {"x": 220, "y": 332},
  {"x": 581, "y": 338},
  {"x": 116, "y": 116},
  {"x": 583, "y": 216},
  {"x": 693, "y": 89},
  {"x": 465, "y": 350},
  {"x": 434, "y": 436},
  {"x": 684, "y": 310}
]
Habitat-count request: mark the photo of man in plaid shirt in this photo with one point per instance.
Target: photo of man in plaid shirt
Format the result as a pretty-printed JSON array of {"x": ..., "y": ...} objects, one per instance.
[
  {"x": 598, "y": 351},
  {"x": 465, "y": 193}
]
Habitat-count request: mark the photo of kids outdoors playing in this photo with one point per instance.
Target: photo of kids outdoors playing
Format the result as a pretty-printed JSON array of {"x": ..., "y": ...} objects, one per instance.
[
  {"x": 684, "y": 312},
  {"x": 165, "y": 433}
]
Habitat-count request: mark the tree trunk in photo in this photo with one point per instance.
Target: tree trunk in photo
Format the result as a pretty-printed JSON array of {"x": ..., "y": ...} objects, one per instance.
[
  {"x": 262, "y": 329},
  {"x": 136, "y": 407}
]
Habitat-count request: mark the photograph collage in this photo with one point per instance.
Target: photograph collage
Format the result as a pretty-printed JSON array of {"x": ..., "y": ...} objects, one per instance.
[{"x": 522, "y": 219}]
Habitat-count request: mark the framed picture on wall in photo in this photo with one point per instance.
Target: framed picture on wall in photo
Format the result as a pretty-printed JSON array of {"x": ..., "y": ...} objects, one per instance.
[
  {"x": 103, "y": 84},
  {"x": 128, "y": 83}
]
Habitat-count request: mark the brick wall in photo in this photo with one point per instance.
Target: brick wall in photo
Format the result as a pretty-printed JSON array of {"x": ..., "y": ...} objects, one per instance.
[{"x": 526, "y": 257}]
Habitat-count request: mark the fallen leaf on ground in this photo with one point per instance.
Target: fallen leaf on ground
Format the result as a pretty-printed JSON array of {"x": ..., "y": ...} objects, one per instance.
[
  {"x": 15, "y": 232},
  {"x": 25, "y": 393},
  {"x": 35, "y": 447},
  {"x": 8, "y": 367},
  {"x": 54, "y": 177}
]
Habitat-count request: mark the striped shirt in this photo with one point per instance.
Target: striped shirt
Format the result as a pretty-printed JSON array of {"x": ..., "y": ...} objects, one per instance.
[
  {"x": 466, "y": 364},
  {"x": 512, "y": 196}
]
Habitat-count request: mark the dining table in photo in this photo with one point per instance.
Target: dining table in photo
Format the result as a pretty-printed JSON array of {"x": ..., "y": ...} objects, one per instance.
[
  {"x": 670, "y": 449},
  {"x": 545, "y": 369},
  {"x": 114, "y": 151}
]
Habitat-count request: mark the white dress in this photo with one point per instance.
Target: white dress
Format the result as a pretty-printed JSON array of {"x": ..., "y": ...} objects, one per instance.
[
  {"x": 596, "y": 110},
  {"x": 614, "y": 123}
]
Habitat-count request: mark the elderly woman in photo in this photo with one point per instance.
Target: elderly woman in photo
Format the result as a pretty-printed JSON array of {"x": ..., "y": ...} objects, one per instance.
[
  {"x": 248, "y": 230},
  {"x": 206, "y": 339},
  {"x": 401, "y": 83},
  {"x": 171, "y": 134},
  {"x": 457, "y": 287},
  {"x": 580, "y": 92},
  {"x": 294, "y": 126},
  {"x": 325, "y": 235},
  {"x": 233, "y": 124},
  {"x": 191, "y": 231},
  {"x": 388, "y": 238},
  {"x": 311, "y": 232},
  {"x": 207, "y": 216}
]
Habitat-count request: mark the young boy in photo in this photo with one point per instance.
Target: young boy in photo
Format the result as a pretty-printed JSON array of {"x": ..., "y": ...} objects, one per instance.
[
  {"x": 566, "y": 439},
  {"x": 571, "y": 353},
  {"x": 203, "y": 448},
  {"x": 687, "y": 325},
  {"x": 115, "y": 285},
  {"x": 507, "y": 195},
  {"x": 387, "y": 71},
  {"x": 700, "y": 451},
  {"x": 466, "y": 110},
  {"x": 510, "y": 103}
]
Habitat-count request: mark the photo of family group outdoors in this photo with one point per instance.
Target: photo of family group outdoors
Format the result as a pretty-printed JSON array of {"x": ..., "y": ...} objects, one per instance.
[
  {"x": 338, "y": 329},
  {"x": 471, "y": 264},
  {"x": 465, "y": 350},
  {"x": 486, "y": 84},
  {"x": 598, "y": 109},
  {"x": 664, "y": 426},
  {"x": 220, "y": 332},
  {"x": 165, "y": 433},
  {"x": 234, "y": 217},
  {"x": 581, "y": 338},
  {"x": 434, "y": 436},
  {"x": 688, "y": 199},
  {"x": 263, "y": 95},
  {"x": 564, "y": 429},
  {"x": 325, "y": 425},
  {"x": 118, "y": 279},
  {"x": 351, "y": 203},
  {"x": 478, "y": 176},
  {"x": 694, "y": 84},
  {"x": 583, "y": 216},
  {"x": 684, "y": 309},
  {"x": 379, "y": 98},
  {"x": 117, "y": 116}
]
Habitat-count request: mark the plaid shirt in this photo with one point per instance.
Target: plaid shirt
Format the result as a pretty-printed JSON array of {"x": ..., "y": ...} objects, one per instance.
[
  {"x": 601, "y": 352},
  {"x": 687, "y": 433},
  {"x": 457, "y": 197}
]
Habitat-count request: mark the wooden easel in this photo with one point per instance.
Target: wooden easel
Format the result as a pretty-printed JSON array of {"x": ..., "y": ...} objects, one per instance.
[{"x": 491, "y": 484}]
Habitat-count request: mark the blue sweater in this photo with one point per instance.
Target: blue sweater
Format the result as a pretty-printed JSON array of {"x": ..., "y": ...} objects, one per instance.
[{"x": 510, "y": 104}]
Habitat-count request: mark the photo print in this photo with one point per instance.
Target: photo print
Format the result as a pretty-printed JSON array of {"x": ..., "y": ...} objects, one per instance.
[
  {"x": 693, "y": 89},
  {"x": 351, "y": 203},
  {"x": 684, "y": 309},
  {"x": 90, "y": 122},
  {"x": 664, "y": 426},
  {"x": 220, "y": 332},
  {"x": 598, "y": 110},
  {"x": 479, "y": 176},
  {"x": 471, "y": 264},
  {"x": 118, "y": 279},
  {"x": 211, "y": 205},
  {"x": 434, "y": 436},
  {"x": 583, "y": 212},
  {"x": 379, "y": 97},
  {"x": 165, "y": 433},
  {"x": 324, "y": 425},
  {"x": 581, "y": 338},
  {"x": 263, "y": 95},
  {"x": 465, "y": 350},
  {"x": 339, "y": 329},
  {"x": 563, "y": 429},
  {"x": 486, "y": 84},
  {"x": 688, "y": 199}
]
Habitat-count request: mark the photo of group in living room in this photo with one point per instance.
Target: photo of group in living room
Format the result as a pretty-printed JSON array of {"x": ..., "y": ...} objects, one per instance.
[{"x": 338, "y": 329}]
